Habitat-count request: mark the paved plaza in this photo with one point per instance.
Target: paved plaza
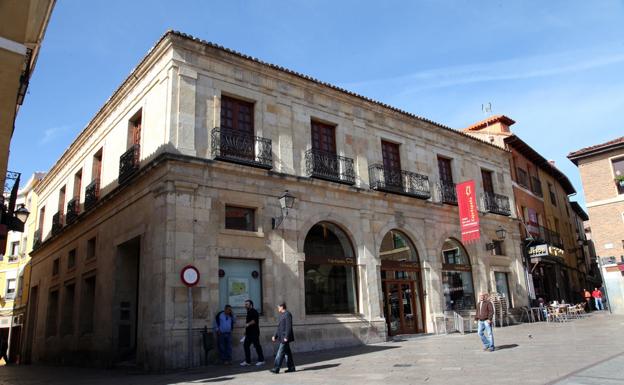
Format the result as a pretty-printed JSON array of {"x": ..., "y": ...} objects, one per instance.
[{"x": 584, "y": 351}]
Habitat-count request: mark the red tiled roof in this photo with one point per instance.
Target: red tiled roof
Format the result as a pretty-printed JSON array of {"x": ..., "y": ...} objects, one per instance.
[
  {"x": 587, "y": 151},
  {"x": 491, "y": 120}
]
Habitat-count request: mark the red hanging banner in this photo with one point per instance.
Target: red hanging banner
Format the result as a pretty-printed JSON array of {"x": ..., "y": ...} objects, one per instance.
[{"x": 468, "y": 212}]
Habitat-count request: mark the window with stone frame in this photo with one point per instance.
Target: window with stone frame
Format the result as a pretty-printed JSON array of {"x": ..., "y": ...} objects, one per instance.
[
  {"x": 618, "y": 172},
  {"x": 240, "y": 218}
]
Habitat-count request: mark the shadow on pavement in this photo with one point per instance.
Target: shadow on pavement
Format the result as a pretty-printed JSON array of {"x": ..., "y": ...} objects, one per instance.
[
  {"x": 320, "y": 367},
  {"x": 510, "y": 346}
]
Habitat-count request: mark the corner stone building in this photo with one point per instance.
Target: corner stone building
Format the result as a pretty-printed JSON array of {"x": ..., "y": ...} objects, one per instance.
[{"x": 371, "y": 247}]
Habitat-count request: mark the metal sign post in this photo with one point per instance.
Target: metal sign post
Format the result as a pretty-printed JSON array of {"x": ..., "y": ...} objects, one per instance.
[{"x": 190, "y": 277}]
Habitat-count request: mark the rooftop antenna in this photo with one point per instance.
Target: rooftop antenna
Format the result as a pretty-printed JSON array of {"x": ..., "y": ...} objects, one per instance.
[{"x": 486, "y": 108}]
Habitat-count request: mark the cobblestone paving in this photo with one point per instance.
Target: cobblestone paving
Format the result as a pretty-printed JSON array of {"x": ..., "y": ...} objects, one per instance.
[{"x": 585, "y": 351}]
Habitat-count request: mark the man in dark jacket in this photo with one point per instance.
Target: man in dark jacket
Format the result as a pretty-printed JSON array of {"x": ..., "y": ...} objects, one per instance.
[
  {"x": 252, "y": 335},
  {"x": 285, "y": 336},
  {"x": 485, "y": 312}
]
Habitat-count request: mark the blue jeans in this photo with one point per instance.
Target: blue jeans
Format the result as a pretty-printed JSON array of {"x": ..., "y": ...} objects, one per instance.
[
  {"x": 488, "y": 341},
  {"x": 224, "y": 343},
  {"x": 284, "y": 350},
  {"x": 599, "y": 305}
]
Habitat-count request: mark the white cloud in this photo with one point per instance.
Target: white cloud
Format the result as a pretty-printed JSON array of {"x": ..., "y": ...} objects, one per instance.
[{"x": 52, "y": 133}]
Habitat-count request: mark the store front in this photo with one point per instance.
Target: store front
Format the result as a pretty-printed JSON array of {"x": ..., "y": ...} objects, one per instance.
[
  {"x": 401, "y": 281},
  {"x": 457, "y": 281},
  {"x": 548, "y": 281}
]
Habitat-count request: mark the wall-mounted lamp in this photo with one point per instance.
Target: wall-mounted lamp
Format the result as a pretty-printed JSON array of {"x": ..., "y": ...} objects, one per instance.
[
  {"x": 287, "y": 201},
  {"x": 501, "y": 233}
]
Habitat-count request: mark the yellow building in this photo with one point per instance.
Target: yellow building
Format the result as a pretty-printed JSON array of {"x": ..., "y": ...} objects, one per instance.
[{"x": 15, "y": 273}]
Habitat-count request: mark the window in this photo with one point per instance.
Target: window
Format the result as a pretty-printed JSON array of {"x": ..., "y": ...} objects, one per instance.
[
  {"x": 488, "y": 185},
  {"x": 241, "y": 280},
  {"x": 522, "y": 177},
  {"x": 41, "y": 222},
  {"x": 87, "y": 305},
  {"x": 498, "y": 248},
  {"x": 134, "y": 129},
  {"x": 329, "y": 271},
  {"x": 444, "y": 168},
  {"x": 15, "y": 248},
  {"x": 553, "y": 198},
  {"x": 618, "y": 171},
  {"x": 391, "y": 164},
  {"x": 96, "y": 169},
  {"x": 323, "y": 137},
  {"x": 240, "y": 218},
  {"x": 67, "y": 313},
  {"x": 55, "y": 267},
  {"x": 61, "y": 202},
  {"x": 10, "y": 289},
  {"x": 52, "y": 314},
  {"x": 502, "y": 285},
  {"x": 91, "y": 248},
  {"x": 71, "y": 259},
  {"x": 77, "y": 185},
  {"x": 237, "y": 115},
  {"x": 457, "y": 277}
]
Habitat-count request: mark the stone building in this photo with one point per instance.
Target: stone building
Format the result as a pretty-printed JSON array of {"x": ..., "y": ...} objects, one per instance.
[
  {"x": 547, "y": 223},
  {"x": 602, "y": 172},
  {"x": 185, "y": 165}
]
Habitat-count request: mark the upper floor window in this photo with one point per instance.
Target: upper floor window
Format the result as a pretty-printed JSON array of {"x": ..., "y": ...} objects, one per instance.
[
  {"x": 15, "y": 248},
  {"x": 134, "y": 129},
  {"x": 240, "y": 218},
  {"x": 618, "y": 171},
  {"x": 10, "y": 289},
  {"x": 553, "y": 197},
  {"x": 91, "y": 248},
  {"x": 97, "y": 165},
  {"x": 41, "y": 220},
  {"x": 77, "y": 185},
  {"x": 488, "y": 184},
  {"x": 445, "y": 170},
  {"x": 237, "y": 115},
  {"x": 55, "y": 267},
  {"x": 71, "y": 259},
  {"x": 522, "y": 177},
  {"x": 391, "y": 156},
  {"x": 61, "y": 202},
  {"x": 323, "y": 137}
]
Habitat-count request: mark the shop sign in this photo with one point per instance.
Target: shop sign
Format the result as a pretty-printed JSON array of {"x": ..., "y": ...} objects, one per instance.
[
  {"x": 400, "y": 265},
  {"x": 468, "y": 211},
  {"x": 455, "y": 267},
  {"x": 538, "y": 250}
]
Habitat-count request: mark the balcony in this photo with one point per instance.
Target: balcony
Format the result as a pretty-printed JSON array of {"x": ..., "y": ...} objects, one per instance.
[
  {"x": 57, "y": 222},
  {"x": 448, "y": 193},
  {"x": 399, "y": 182},
  {"x": 92, "y": 194},
  {"x": 551, "y": 237},
  {"x": 328, "y": 166},
  {"x": 73, "y": 209},
  {"x": 129, "y": 163},
  {"x": 536, "y": 187},
  {"x": 497, "y": 204},
  {"x": 242, "y": 148}
]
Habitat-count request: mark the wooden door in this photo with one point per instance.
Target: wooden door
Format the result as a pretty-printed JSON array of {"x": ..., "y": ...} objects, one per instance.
[
  {"x": 237, "y": 115},
  {"x": 446, "y": 173},
  {"x": 323, "y": 137},
  {"x": 488, "y": 185},
  {"x": 392, "y": 163}
]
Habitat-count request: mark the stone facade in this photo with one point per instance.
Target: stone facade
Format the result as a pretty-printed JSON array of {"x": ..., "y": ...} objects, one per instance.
[{"x": 170, "y": 212}]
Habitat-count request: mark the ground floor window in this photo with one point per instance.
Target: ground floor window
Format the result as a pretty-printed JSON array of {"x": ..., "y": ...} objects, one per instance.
[
  {"x": 502, "y": 285},
  {"x": 240, "y": 280},
  {"x": 458, "y": 290},
  {"x": 329, "y": 289}
]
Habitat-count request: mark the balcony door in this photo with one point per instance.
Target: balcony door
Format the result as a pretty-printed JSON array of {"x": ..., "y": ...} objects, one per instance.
[
  {"x": 392, "y": 164},
  {"x": 324, "y": 150},
  {"x": 488, "y": 185},
  {"x": 237, "y": 129}
]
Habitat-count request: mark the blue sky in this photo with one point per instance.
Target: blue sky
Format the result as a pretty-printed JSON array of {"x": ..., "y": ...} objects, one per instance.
[{"x": 556, "y": 67}]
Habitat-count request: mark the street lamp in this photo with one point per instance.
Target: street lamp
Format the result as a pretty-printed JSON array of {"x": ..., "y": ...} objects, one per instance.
[
  {"x": 501, "y": 234},
  {"x": 22, "y": 213},
  {"x": 287, "y": 201}
]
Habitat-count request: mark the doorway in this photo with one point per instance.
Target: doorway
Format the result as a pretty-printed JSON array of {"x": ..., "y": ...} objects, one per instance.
[
  {"x": 31, "y": 322},
  {"x": 126, "y": 302},
  {"x": 402, "y": 308}
]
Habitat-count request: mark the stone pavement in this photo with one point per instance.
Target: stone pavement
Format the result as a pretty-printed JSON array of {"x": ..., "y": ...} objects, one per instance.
[{"x": 587, "y": 351}]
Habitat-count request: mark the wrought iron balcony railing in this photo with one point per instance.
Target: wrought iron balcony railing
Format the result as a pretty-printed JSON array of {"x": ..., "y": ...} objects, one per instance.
[
  {"x": 448, "y": 193},
  {"x": 73, "y": 209},
  {"x": 37, "y": 239},
  {"x": 240, "y": 147},
  {"x": 328, "y": 166},
  {"x": 129, "y": 163},
  {"x": 399, "y": 181},
  {"x": 497, "y": 204},
  {"x": 57, "y": 223},
  {"x": 536, "y": 187},
  {"x": 551, "y": 237},
  {"x": 92, "y": 194}
]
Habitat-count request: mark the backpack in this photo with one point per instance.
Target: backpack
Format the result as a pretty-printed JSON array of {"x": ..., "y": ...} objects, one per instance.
[{"x": 218, "y": 318}]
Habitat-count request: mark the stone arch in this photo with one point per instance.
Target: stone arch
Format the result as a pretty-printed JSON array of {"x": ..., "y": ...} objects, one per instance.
[
  {"x": 415, "y": 236},
  {"x": 335, "y": 219}
]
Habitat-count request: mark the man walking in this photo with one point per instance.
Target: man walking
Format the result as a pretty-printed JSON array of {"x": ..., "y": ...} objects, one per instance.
[
  {"x": 252, "y": 335},
  {"x": 485, "y": 312},
  {"x": 284, "y": 335},
  {"x": 597, "y": 294},
  {"x": 223, "y": 325}
]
